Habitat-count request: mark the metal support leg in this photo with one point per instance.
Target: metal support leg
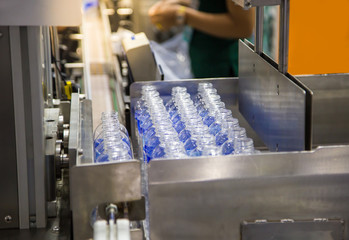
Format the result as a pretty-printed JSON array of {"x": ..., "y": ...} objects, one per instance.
[
  {"x": 284, "y": 34},
  {"x": 259, "y": 30}
]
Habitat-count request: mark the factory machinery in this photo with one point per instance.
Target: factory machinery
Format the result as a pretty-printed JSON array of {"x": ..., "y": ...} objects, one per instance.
[{"x": 295, "y": 188}]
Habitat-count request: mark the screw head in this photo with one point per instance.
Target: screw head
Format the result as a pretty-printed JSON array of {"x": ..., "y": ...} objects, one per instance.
[
  {"x": 8, "y": 219},
  {"x": 55, "y": 229}
]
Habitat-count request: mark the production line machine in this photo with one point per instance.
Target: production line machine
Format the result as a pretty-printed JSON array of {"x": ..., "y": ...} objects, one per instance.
[{"x": 295, "y": 188}]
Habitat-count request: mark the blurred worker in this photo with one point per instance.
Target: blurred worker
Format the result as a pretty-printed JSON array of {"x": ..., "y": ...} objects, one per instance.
[{"x": 217, "y": 24}]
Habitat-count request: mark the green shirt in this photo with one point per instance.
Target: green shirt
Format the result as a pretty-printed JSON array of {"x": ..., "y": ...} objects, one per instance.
[{"x": 212, "y": 56}]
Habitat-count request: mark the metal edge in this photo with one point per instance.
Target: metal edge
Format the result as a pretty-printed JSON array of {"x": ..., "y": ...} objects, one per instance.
[
  {"x": 86, "y": 129},
  {"x": 34, "y": 40},
  {"x": 21, "y": 150},
  {"x": 308, "y": 111},
  {"x": 74, "y": 130},
  {"x": 323, "y": 160}
]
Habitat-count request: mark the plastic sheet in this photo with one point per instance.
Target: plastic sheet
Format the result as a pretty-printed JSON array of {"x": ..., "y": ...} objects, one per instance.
[{"x": 173, "y": 57}]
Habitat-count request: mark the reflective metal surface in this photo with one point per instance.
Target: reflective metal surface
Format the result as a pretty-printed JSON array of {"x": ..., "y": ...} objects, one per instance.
[
  {"x": 40, "y": 12},
  {"x": 94, "y": 184},
  {"x": 74, "y": 128},
  {"x": 35, "y": 99},
  {"x": 20, "y": 122},
  {"x": 8, "y": 162},
  {"x": 273, "y": 105},
  {"x": 330, "y": 108},
  {"x": 86, "y": 132},
  {"x": 290, "y": 230},
  {"x": 208, "y": 198}
]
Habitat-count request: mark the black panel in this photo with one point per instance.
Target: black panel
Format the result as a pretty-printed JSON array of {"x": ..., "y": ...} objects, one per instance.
[{"x": 8, "y": 163}]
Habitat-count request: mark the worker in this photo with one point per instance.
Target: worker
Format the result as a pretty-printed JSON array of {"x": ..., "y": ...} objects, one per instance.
[{"x": 217, "y": 25}]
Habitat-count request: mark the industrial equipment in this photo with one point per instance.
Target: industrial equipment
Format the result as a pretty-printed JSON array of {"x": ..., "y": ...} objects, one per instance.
[{"x": 295, "y": 187}]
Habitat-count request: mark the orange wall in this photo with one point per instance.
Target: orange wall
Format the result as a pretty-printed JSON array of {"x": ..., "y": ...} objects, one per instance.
[{"x": 319, "y": 37}]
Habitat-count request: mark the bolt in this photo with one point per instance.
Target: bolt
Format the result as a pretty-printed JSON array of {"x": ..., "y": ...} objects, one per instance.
[
  {"x": 55, "y": 229},
  {"x": 8, "y": 219},
  {"x": 80, "y": 152}
]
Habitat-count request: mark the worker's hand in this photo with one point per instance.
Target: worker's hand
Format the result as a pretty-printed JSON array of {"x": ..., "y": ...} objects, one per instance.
[{"x": 163, "y": 14}]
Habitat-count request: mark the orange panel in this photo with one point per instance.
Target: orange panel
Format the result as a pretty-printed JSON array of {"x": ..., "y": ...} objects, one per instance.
[{"x": 319, "y": 37}]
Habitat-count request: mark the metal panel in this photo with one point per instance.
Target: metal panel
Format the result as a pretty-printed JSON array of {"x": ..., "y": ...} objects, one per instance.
[
  {"x": 74, "y": 128},
  {"x": 274, "y": 106},
  {"x": 19, "y": 110},
  {"x": 37, "y": 113},
  {"x": 306, "y": 230},
  {"x": 208, "y": 198},
  {"x": 8, "y": 162},
  {"x": 86, "y": 132},
  {"x": 40, "y": 12},
  {"x": 96, "y": 184},
  {"x": 330, "y": 108}
]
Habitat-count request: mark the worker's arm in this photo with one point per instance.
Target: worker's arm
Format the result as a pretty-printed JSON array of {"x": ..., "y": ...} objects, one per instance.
[{"x": 236, "y": 23}]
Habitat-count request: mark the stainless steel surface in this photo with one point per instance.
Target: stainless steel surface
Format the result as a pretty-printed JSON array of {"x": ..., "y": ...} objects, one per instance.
[
  {"x": 20, "y": 125},
  {"x": 227, "y": 88},
  {"x": 259, "y": 30},
  {"x": 8, "y": 162},
  {"x": 74, "y": 129},
  {"x": 283, "y": 35},
  {"x": 330, "y": 108},
  {"x": 255, "y": 3},
  {"x": 94, "y": 184},
  {"x": 86, "y": 132},
  {"x": 37, "y": 105},
  {"x": 303, "y": 230},
  {"x": 51, "y": 119},
  {"x": 47, "y": 65},
  {"x": 40, "y": 12},
  {"x": 274, "y": 106},
  {"x": 208, "y": 198}
]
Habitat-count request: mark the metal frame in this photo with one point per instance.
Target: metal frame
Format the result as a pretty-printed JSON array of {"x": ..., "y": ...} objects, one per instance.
[
  {"x": 19, "y": 110},
  {"x": 283, "y": 27},
  {"x": 37, "y": 111},
  {"x": 256, "y": 3}
]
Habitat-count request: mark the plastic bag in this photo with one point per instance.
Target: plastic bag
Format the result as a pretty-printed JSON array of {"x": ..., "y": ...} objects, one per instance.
[{"x": 173, "y": 57}]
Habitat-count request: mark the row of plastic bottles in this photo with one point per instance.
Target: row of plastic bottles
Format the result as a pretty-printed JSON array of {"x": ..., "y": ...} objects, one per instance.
[
  {"x": 183, "y": 127},
  {"x": 229, "y": 136},
  {"x": 155, "y": 127},
  {"x": 111, "y": 140}
]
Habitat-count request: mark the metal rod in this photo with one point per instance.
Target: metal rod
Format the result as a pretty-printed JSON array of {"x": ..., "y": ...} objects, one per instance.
[
  {"x": 284, "y": 34},
  {"x": 55, "y": 51},
  {"x": 259, "y": 30},
  {"x": 47, "y": 63}
]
